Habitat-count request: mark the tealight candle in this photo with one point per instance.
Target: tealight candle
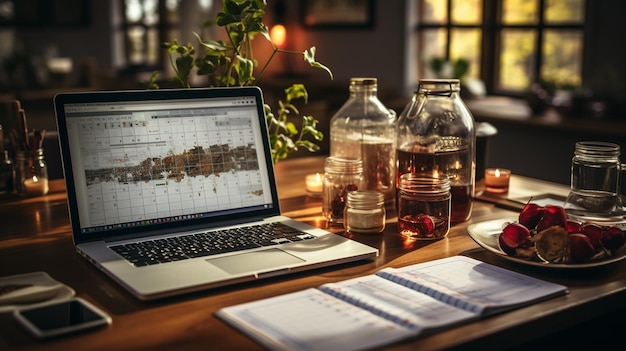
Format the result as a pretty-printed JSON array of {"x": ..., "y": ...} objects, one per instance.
[
  {"x": 497, "y": 180},
  {"x": 35, "y": 186},
  {"x": 314, "y": 184}
]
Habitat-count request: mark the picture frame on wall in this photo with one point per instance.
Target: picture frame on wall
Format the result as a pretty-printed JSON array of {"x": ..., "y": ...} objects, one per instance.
[
  {"x": 44, "y": 13},
  {"x": 337, "y": 13}
]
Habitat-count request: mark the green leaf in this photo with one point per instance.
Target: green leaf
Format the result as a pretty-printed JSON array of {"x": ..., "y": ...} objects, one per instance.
[
  {"x": 297, "y": 91},
  {"x": 309, "y": 145},
  {"x": 290, "y": 128},
  {"x": 213, "y": 45},
  {"x": 244, "y": 68},
  {"x": 184, "y": 64},
  {"x": 309, "y": 56}
]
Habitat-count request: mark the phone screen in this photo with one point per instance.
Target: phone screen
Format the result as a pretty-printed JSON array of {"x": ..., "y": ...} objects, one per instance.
[{"x": 61, "y": 318}]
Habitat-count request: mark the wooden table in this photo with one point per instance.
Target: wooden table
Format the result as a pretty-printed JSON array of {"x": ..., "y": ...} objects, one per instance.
[{"x": 35, "y": 236}]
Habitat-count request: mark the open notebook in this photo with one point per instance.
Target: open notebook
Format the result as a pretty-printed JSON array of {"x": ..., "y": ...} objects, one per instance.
[{"x": 166, "y": 188}]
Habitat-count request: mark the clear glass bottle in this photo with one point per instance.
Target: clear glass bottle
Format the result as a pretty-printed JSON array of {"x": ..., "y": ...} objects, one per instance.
[
  {"x": 364, "y": 128},
  {"x": 31, "y": 173},
  {"x": 595, "y": 181},
  {"x": 364, "y": 212},
  {"x": 341, "y": 175},
  {"x": 424, "y": 206},
  {"x": 436, "y": 135}
]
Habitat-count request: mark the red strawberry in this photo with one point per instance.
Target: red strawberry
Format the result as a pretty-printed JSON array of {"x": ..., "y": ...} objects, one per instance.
[
  {"x": 530, "y": 215},
  {"x": 612, "y": 238},
  {"x": 581, "y": 248},
  {"x": 553, "y": 215},
  {"x": 594, "y": 232},
  {"x": 514, "y": 235}
]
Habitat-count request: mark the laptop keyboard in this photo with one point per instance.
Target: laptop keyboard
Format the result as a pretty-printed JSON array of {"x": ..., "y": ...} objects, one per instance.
[{"x": 183, "y": 247}]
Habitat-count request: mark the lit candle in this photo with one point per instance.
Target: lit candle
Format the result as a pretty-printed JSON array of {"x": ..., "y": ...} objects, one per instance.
[
  {"x": 497, "y": 180},
  {"x": 35, "y": 186},
  {"x": 314, "y": 184}
]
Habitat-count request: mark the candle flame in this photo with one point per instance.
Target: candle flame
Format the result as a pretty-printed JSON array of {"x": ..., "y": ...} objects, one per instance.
[
  {"x": 497, "y": 172},
  {"x": 318, "y": 178},
  {"x": 278, "y": 34},
  {"x": 35, "y": 179}
]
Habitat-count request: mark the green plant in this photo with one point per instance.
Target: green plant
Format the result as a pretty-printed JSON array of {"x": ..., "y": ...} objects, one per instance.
[
  {"x": 456, "y": 69},
  {"x": 233, "y": 63}
]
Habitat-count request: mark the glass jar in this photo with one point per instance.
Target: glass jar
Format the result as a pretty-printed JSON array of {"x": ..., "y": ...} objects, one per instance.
[
  {"x": 364, "y": 212},
  {"x": 595, "y": 181},
  {"x": 341, "y": 176},
  {"x": 31, "y": 173},
  {"x": 424, "y": 206},
  {"x": 436, "y": 135},
  {"x": 6, "y": 173},
  {"x": 363, "y": 128}
]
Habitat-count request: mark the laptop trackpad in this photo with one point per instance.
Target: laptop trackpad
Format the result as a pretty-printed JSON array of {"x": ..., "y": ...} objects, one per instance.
[{"x": 257, "y": 261}]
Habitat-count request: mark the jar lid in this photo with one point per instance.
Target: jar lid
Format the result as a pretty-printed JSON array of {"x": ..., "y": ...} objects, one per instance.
[
  {"x": 365, "y": 199},
  {"x": 343, "y": 165},
  {"x": 424, "y": 183},
  {"x": 596, "y": 149},
  {"x": 439, "y": 86},
  {"x": 363, "y": 81}
]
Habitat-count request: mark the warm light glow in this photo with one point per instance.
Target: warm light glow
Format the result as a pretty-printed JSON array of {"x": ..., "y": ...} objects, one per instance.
[
  {"x": 35, "y": 179},
  {"x": 314, "y": 183},
  {"x": 497, "y": 180},
  {"x": 278, "y": 34}
]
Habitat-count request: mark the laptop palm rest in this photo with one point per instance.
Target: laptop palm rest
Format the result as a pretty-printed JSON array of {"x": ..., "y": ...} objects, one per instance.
[{"x": 256, "y": 262}]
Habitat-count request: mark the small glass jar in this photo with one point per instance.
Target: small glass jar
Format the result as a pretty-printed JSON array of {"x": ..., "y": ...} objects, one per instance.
[
  {"x": 424, "y": 206},
  {"x": 31, "y": 173},
  {"x": 595, "y": 181},
  {"x": 364, "y": 212},
  {"x": 341, "y": 175}
]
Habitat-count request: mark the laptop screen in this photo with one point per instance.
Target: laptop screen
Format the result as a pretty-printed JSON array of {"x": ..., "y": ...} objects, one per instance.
[{"x": 162, "y": 159}]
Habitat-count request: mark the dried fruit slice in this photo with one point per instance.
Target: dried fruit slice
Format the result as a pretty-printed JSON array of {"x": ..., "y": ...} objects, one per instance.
[{"x": 552, "y": 244}]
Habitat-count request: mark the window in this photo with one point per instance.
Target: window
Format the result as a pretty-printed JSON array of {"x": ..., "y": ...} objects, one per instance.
[
  {"x": 145, "y": 24},
  {"x": 509, "y": 44}
]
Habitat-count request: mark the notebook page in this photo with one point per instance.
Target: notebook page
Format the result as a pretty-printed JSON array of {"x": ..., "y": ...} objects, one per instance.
[
  {"x": 398, "y": 303},
  {"x": 312, "y": 320},
  {"x": 474, "y": 285}
]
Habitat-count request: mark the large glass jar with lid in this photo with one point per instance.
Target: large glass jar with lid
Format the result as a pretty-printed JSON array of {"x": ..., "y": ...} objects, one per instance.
[
  {"x": 436, "y": 135},
  {"x": 363, "y": 128}
]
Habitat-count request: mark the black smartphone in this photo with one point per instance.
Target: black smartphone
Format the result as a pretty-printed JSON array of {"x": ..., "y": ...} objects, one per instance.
[{"x": 61, "y": 317}]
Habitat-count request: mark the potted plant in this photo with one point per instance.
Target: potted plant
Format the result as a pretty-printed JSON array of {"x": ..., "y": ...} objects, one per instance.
[{"x": 232, "y": 63}]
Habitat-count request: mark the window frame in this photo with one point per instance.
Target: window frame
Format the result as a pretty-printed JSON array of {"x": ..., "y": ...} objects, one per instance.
[
  {"x": 162, "y": 27},
  {"x": 492, "y": 28}
]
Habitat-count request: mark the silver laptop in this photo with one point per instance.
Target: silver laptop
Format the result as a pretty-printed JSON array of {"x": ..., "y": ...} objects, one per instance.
[{"x": 173, "y": 191}]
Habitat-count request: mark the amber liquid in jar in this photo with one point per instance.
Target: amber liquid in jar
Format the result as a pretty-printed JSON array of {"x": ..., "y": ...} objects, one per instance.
[
  {"x": 423, "y": 206},
  {"x": 448, "y": 163}
]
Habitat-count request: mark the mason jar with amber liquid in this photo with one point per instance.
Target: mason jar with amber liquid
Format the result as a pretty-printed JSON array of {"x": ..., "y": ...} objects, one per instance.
[{"x": 436, "y": 135}]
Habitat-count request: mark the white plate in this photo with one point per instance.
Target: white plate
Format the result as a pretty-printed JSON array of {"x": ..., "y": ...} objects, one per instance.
[
  {"x": 486, "y": 235},
  {"x": 36, "y": 278}
]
